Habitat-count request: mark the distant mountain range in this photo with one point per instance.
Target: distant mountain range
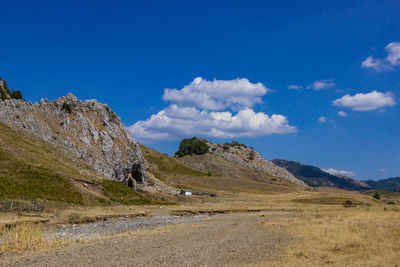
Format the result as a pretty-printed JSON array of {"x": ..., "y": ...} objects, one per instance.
[
  {"x": 390, "y": 184},
  {"x": 314, "y": 176}
]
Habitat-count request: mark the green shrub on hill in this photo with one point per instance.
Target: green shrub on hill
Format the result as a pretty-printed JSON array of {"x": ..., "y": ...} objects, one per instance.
[
  {"x": 5, "y": 92},
  {"x": 192, "y": 146}
]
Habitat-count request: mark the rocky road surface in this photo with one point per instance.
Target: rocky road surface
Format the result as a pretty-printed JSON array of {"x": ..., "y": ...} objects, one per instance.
[
  {"x": 116, "y": 226},
  {"x": 220, "y": 240}
]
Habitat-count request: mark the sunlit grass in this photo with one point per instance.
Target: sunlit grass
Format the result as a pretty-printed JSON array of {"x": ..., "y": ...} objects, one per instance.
[{"x": 25, "y": 236}]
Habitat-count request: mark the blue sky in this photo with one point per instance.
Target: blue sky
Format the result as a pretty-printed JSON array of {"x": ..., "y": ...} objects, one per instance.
[{"x": 126, "y": 53}]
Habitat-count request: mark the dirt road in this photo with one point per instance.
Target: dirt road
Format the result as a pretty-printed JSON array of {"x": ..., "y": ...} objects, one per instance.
[{"x": 221, "y": 240}]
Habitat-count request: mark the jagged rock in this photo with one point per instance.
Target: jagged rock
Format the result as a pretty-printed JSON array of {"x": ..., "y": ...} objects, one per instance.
[
  {"x": 88, "y": 129},
  {"x": 248, "y": 158}
]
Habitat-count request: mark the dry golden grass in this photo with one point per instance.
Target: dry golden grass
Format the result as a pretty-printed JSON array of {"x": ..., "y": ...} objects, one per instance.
[
  {"x": 25, "y": 236},
  {"x": 338, "y": 236}
]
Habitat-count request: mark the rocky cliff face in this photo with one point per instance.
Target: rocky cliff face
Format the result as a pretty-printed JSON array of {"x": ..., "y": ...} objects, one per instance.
[
  {"x": 88, "y": 129},
  {"x": 248, "y": 158}
]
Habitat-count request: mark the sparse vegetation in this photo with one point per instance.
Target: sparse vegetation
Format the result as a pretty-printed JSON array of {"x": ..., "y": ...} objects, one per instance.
[
  {"x": 377, "y": 195},
  {"x": 19, "y": 179},
  {"x": 342, "y": 237},
  {"x": 234, "y": 144},
  {"x": 111, "y": 113},
  {"x": 120, "y": 193},
  {"x": 24, "y": 236},
  {"x": 252, "y": 155},
  {"x": 192, "y": 146}
]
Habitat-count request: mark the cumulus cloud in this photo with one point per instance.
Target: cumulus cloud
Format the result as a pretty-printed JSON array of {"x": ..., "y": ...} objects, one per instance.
[
  {"x": 321, "y": 84},
  {"x": 175, "y": 122},
  {"x": 339, "y": 172},
  {"x": 295, "y": 87},
  {"x": 218, "y": 108},
  {"x": 217, "y": 94},
  {"x": 322, "y": 119},
  {"x": 342, "y": 113},
  {"x": 392, "y": 59},
  {"x": 365, "y": 102}
]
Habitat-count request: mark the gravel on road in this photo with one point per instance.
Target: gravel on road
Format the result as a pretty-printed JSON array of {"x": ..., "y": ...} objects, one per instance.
[
  {"x": 222, "y": 240},
  {"x": 116, "y": 226}
]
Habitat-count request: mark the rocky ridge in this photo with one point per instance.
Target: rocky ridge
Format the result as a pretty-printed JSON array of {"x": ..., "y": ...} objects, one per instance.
[
  {"x": 88, "y": 130},
  {"x": 248, "y": 158}
]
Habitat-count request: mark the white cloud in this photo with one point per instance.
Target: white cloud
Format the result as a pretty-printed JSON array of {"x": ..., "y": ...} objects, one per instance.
[
  {"x": 373, "y": 63},
  {"x": 392, "y": 59},
  {"x": 322, "y": 119},
  {"x": 342, "y": 113},
  {"x": 175, "y": 122},
  {"x": 383, "y": 170},
  {"x": 295, "y": 87},
  {"x": 321, "y": 84},
  {"x": 339, "y": 172},
  {"x": 365, "y": 102},
  {"x": 217, "y": 94},
  {"x": 218, "y": 108},
  {"x": 393, "y": 50}
]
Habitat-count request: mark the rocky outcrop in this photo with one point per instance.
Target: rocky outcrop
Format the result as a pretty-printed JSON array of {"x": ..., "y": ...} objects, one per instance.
[
  {"x": 248, "y": 158},
  {"x": 89, "y": 130}
]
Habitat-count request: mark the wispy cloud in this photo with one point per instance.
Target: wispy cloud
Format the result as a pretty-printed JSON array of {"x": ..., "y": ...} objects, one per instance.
[
  {"x": 339, "y": 172},
  {"x": 295, "y": 87},
  {"x": 322, "y": 119},
  {"x": 342, "y": 113},
  {"x": 388, "y": 63},
  {"x": 365, "y": 102},
  {"x": 321, "y": 84}
]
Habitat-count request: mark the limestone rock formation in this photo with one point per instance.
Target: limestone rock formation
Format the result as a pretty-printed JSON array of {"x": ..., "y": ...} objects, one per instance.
[
  {"x": 89, "y": 130},
  {"x": 248, "y": 158}
]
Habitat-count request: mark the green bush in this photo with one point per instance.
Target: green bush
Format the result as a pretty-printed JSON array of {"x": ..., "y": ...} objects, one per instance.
[
  {"x": 16, "y": 94},
  {"x": 67, "y": 107},
  {"x": 5, "y": 92},
  {"x": 192, "y": 146},
  {"x": 348, "y": 204},
  {"x": 377, "y": 195}
]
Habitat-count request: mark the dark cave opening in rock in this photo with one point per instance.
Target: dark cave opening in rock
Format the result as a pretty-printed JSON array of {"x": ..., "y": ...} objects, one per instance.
[
  {"x": 136, "y": 173},
  {"x": 130, "y": 183}
]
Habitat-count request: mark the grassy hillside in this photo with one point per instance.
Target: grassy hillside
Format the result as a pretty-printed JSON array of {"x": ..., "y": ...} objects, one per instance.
[
  {"x": 211, "y": 173},
  {"x": 31, "y": 169},
  {"x": 314, "y": 176},
  {"x": 19, "y": 179}
]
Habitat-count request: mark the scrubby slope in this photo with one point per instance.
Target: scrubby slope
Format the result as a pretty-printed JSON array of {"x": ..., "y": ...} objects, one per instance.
[
  {"x": 212, "y": 173},
  {"x": 32, "y": 169}
]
